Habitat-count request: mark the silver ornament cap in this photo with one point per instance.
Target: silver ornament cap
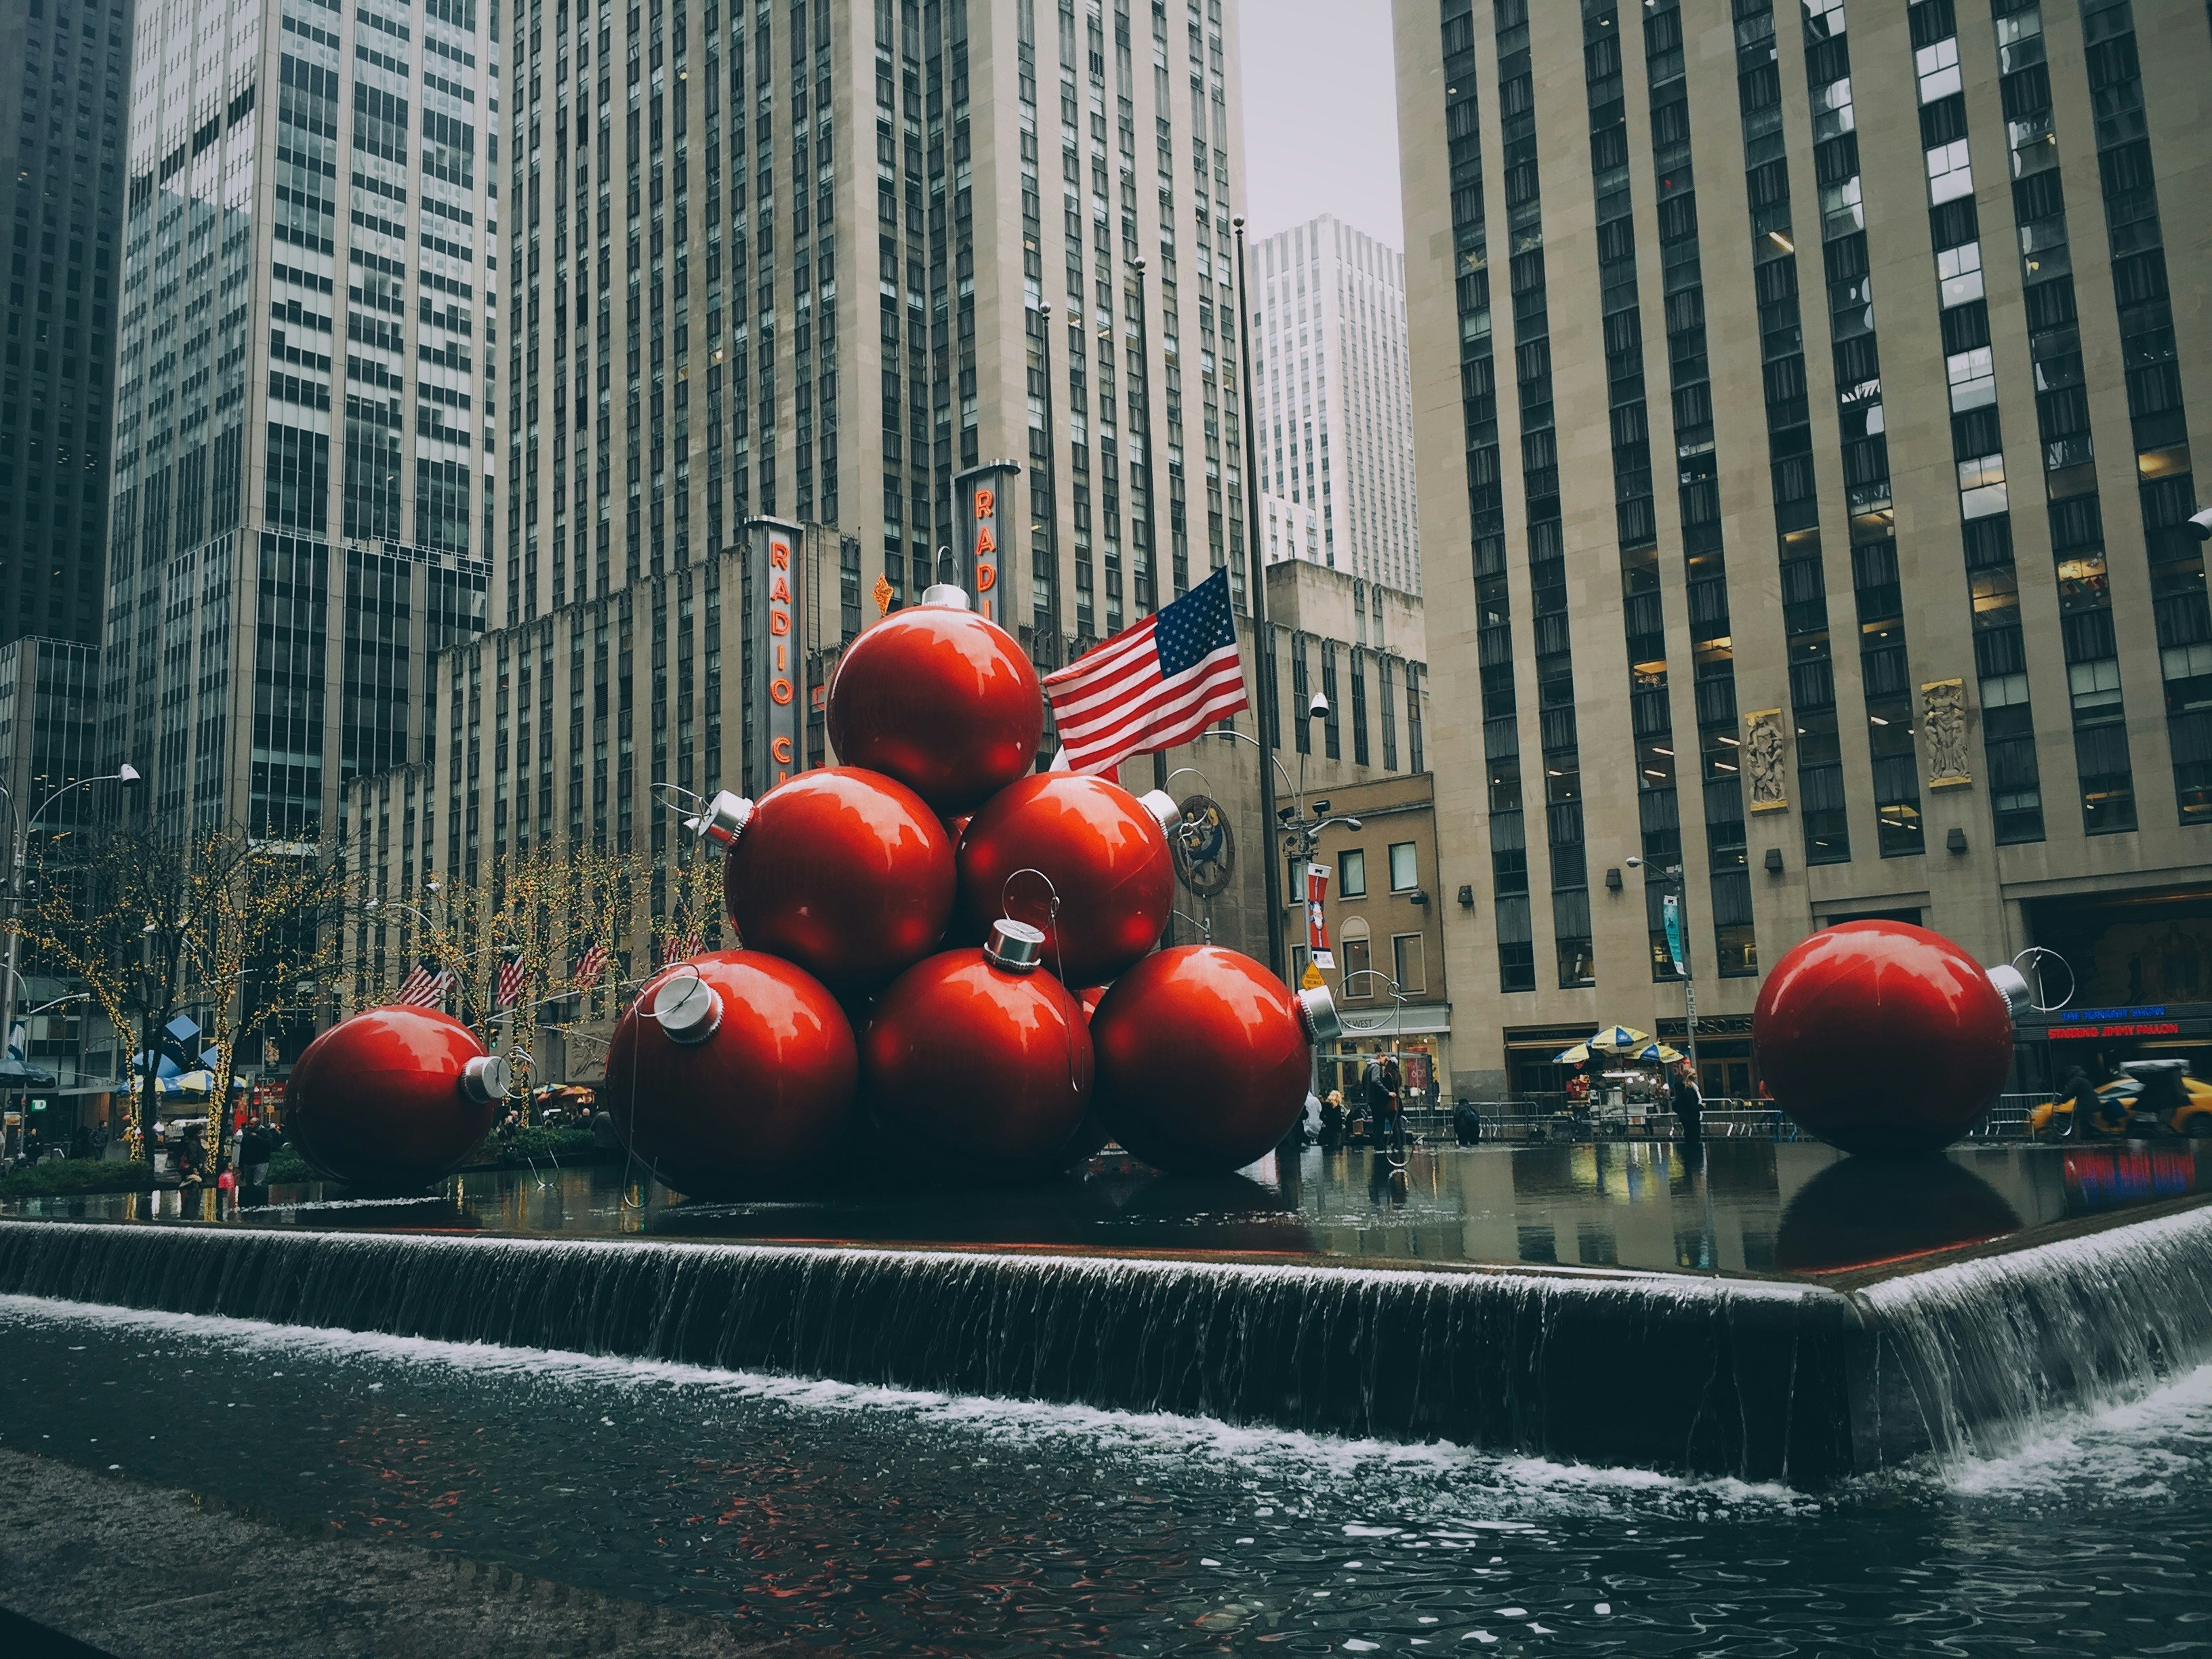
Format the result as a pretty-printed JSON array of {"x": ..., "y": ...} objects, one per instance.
[
  {"x": 724, "y": 820},
  {"x": 487, "y": 1079},
  {"x": 687, "y": 1009},
  {"x": 1162, "y": 805},
  {"x": 1016, "y": 946},
  {"x": 1317, "y": 1013},
  {"x": 946, "y": 594},
  {"x": 2012, "y": 985}
]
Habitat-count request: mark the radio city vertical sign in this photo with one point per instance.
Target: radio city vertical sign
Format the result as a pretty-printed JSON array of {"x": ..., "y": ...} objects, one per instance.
[
  {"x": 776, "y": 595},
  {"x": 987, "y": 509}
]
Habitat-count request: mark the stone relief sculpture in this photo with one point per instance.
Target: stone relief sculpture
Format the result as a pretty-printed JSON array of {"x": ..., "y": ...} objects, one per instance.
[
  {"x": 1763, "y": 745},
  {"x": 1944, "y": 728}
]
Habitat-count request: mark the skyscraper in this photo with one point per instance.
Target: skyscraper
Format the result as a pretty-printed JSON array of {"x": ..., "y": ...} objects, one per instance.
[
  {"x": 1916, "y": 627},
  {"x": 1335, "y": 404},
  {"x": 824, "y": 263},
  {"x": 304, "y": 428},
  {"x": 61, "y": 202}
]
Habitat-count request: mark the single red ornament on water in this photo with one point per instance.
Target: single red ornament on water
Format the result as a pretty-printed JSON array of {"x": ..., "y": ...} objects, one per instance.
[
  {"x": 731, "y": 1072},
  {"x": 393, "y": 1097},
  {"x": 941, "y": 699},
  {"x": 1879, "y": 1036},
  {"x": 1099, "y": 880},
  {"x": 1204, "y": 1058},
  {"x": 976, "y": 1062},
  {"x": 842, "y": 870}
]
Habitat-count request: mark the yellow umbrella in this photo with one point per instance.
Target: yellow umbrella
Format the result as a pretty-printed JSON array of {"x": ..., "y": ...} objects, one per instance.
[
  {"x": 1577, "y": 1055},
  {"x": 1619, "y": 1039},
  {"x": 1660, "y": 1052}
]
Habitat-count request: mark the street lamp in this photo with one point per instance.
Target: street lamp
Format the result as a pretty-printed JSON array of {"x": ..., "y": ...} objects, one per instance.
[
  {"x": 125, "y": 774},
  {"x": 1672, "y": 874}
]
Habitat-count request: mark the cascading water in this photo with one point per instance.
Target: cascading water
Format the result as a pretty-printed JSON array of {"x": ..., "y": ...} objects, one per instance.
[
  {"x": 1758, "y": 1379},
  {"x": 1977, "y": 1357},
  {"x": 1732, "y": 1377}
]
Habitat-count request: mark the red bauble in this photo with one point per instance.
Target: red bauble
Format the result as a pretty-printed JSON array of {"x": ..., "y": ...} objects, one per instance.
[
  {"x": 1102, "y": 852},
  {"x": 1879, "y": 1036},
  {"x": 940, "y": 699},
  {"x": 1091, "y": 997},
  {"x": 1203, "y": 1059},
  {"x": 393, "y": 1097},
  {"x": 843, "y": 872},
  {"x": 726, "y": 1088},
  {"x": 979, "y": 1067}
]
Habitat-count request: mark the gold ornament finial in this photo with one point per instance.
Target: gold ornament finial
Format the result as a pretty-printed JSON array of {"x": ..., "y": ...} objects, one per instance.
[{"x": 883, "y": 592}]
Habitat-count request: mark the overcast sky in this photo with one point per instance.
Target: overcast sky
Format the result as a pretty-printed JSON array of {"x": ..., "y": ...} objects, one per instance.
[{"x": 1321, "y": 115}]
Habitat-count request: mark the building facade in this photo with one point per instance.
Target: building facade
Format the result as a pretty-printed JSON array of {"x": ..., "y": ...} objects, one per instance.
[
  {"x": 61, "y": 202},
  {"x": 1335, "y": 402},
  {"x": 305, "y": 420},
  {"x": 1041, "y": 195},
  {"x": 1918, "y": 626}
]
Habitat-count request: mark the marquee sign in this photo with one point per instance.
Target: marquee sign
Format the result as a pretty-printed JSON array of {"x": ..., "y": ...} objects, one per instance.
[
  {"x": 986, "y": 510},
  {"x": 776, "y": 640}
]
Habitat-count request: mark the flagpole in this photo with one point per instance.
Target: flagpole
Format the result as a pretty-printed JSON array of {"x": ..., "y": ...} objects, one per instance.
[
  {"x": 1151, "y": 564},
  {"x": 1263, "y": 633}
]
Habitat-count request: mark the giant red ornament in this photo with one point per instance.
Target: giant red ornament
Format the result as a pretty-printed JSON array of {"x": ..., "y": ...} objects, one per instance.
[
  {"x": 393, "y": 1097},
  {"x": 1100, "y": 851},
  {"x": 940, "y": 699},
  {"x": 730, "y": 1071},
  {"x": 1879, "y": 1036},
  {"x": 1204, "y": 1058},
  {"x": 843, "y": 872},
  {"x": 975, "y": 1061}
]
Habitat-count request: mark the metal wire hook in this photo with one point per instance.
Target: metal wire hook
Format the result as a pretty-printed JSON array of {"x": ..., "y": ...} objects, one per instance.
[
  {"x": 684, "y": 803},
  {"x": 2033, "y": 956}
]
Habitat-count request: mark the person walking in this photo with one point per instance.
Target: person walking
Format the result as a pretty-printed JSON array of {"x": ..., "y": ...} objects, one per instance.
[
  {"x": 1689, "y": 1103},
  {"x": 1332, "y": 1120},
  {"x": 256, "y": 1148}
]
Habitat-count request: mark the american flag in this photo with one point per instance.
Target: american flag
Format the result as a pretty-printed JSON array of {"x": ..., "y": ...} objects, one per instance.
[
  {"x": 426, "y": 987},
  {"x": 510, "y": 980},
  {"x": 593, "y": 965},
  {"x": 685, "y": 946},
  {"x": 1152, "y": 686}
]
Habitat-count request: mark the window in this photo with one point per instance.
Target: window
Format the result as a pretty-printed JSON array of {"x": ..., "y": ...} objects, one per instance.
[
  {"x": 1351, "y": 874},
  {"x": 1405, "y": 868},
  {"x": 1356, "y": 957},
  {"x": 1410, "y": 963}
]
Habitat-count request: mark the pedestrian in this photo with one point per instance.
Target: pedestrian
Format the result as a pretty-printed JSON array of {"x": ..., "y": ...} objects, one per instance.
[
  {"x": 256, "y": 1146},
  {"x": 1332, "y": 1120},
  {"x": 1466, "y": 1122},
  {"x": 2083, "y": 1094},
  {"x": 1689, "y": 1107},
  {"x": 225, "y": 1188}
]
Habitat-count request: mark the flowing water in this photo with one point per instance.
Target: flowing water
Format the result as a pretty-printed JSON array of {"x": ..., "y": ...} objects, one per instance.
[{"x": 875, "y": 1521}]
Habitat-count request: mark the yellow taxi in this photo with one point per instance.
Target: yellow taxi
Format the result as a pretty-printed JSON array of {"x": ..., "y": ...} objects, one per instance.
[{"x": 2117, "y": 1104}]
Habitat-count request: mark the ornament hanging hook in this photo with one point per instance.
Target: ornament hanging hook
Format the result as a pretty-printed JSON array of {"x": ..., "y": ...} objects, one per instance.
[{"x": 2029, "y": 963}]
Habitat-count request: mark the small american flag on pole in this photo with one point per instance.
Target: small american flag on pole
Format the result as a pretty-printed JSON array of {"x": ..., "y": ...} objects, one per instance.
[
  {"x": 510, "y": 980},
  {"x": 593, "y": 965},
  {"x": 426, "y": 987},
  {"x": 1150, "y": 687}
]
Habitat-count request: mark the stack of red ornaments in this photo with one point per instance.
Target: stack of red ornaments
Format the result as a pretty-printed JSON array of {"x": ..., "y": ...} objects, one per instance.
[
  {"x": 941, "y": 947},
  {"x": 925, "y": 927}
]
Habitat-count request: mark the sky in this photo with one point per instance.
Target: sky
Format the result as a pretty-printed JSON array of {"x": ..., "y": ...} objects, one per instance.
[{"x": 1321, "y": 115}]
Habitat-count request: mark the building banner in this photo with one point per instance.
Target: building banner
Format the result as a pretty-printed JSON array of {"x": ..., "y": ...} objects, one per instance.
[
  {"x": 1316, "y": 921},
  {"x": 1670, "y": 907},
  {"x": 775, "y": 645}
]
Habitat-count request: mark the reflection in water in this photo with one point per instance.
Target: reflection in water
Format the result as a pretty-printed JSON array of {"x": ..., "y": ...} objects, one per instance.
[
  {"x": 1646, "y": 1205},
  {"x": 1865, "y": 1210}
]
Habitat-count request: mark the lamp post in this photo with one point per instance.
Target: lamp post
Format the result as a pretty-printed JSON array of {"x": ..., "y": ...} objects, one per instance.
[
  {"x": 22, "y": 851},
  {"x": 1263, "y": 635},
  {"x": 1672, "y": 876}
]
